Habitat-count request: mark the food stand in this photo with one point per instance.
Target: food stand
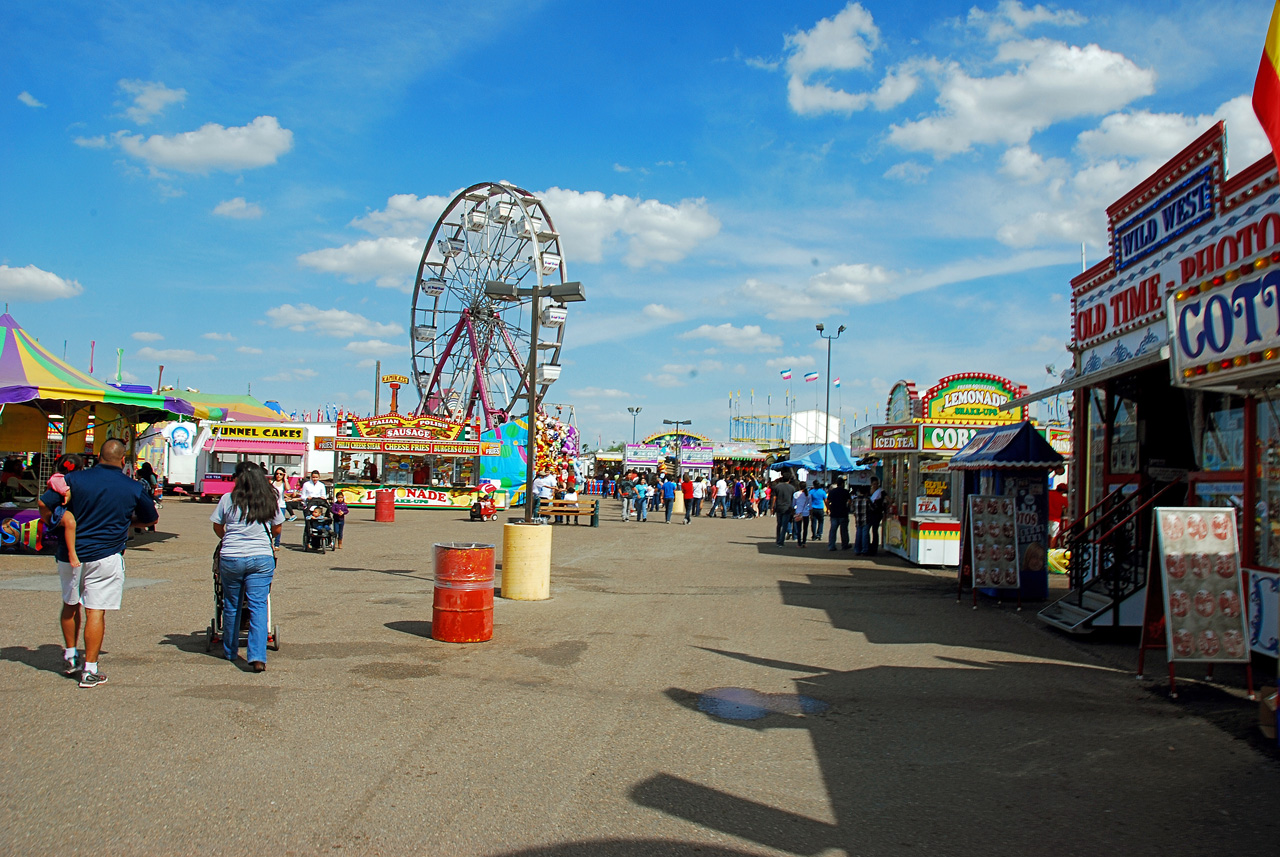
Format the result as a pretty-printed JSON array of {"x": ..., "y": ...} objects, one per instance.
[
  {"x": 923, "y": 498},
  {"x": 430, "y": 462}
]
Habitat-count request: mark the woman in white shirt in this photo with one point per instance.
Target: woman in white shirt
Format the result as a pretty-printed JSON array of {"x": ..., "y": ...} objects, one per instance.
[{"x": 801, "y": 510}]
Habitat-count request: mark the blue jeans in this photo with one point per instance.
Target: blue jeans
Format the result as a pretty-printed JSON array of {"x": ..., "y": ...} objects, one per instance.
[
  {"x": 667, "y": 504},
  {"x": 815, "y": 521},
  {"x": 839, "y": 527},
  {"x": 642, "y": 509},
  {"x": 248, "y": 577},
  {"x": 717, "y": 503},
  {"x": 862, "y": 538},
  {"x": 785, "y": 520}
]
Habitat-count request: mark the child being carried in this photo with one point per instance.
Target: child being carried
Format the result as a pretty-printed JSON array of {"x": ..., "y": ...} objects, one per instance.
[{"x": 61, "y": 514}]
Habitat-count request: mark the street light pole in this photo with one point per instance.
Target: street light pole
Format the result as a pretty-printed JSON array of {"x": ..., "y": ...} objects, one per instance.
[
  {"x": 826, "y": 416},
  {"x": 634, "y": 413}
]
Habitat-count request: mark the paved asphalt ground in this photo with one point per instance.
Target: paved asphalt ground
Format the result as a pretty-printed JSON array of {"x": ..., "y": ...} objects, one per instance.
[{"x": 578, "y": 730}]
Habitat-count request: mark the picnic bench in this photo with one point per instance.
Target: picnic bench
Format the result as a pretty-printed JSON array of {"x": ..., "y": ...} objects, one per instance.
[{"x": 571, "y": 509}]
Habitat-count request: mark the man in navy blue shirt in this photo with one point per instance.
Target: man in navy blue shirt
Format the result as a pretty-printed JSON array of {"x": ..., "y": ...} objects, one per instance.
[{"x": 105, "y": 503}]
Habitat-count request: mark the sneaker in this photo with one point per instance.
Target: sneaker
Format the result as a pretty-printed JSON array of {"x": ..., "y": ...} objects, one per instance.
[
  {"x": 72, "y": 666},
  {"x": 88, "y": 679}
]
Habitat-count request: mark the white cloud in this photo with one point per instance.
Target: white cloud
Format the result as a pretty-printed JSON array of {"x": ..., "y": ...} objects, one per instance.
[
  {"x": 30, "y": 100},
  {"x": 590, "y": 225},
  {"x": 99, "y": 142},
  {"x": 174, "y": 355},
  {"x": 1052, "y": 82},
  {"x": 218, "y": 337},
  {"x": 212, "y": 147},
  {"x": 655, "y": 232},
  {"x": 150, "y": 98},
  {"x": 376, "y": 347},
  {"x": 842, "y": 42},
  {"x": 860, "y": 284},
  {"x": 248, "y": 349},
  {"x": 238, "y": 209},
  {"x": 292, "y": 375},
  {"x": 33, "y": 284},
  {"x": 781, "y": 363},
  {"x": 1023, "y": 165},
  {"x": 749, "y": 337},
  {"x": 1010, "y": 17},
  {"x": 599, "y": 393},
  {"x": 328, "y": 322},
  {"x": 406, "y": 215},
  {"x": 663, "y": 313},
  {"x": 664, "y": 380},
  {"x": 390, "y": 262},
  {"x": 147, "y": 336},
  {"x": 909, "y": 172}
]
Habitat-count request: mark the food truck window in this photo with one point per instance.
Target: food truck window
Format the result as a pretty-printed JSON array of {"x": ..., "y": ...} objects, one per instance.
[
  {"x": 1124, "y": 437},
  {"x": 286, "y": 461},
  {"x": 1266, "y": 515},
  {"x": 1222, "y": 432}
]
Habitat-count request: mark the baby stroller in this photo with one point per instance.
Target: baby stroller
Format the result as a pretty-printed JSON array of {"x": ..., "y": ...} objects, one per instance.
[
  {"x": 317, "y": 532},
  {"x": 213, "y": 635},
  {"x": 484, "y": 509}
]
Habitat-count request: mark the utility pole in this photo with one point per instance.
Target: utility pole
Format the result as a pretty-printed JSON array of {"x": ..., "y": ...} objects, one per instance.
[{"x": 826, "y": 415}]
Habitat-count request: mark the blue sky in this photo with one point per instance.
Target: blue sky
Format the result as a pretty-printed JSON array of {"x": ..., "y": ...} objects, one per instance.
[{"x": 241, "y": 191}]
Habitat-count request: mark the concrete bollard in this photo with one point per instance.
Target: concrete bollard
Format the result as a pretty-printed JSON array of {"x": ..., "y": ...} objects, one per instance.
[{"x": 526, "y": 562}]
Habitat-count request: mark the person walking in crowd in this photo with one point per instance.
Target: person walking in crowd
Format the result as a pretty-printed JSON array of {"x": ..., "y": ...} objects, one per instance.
[
  {"x": 245, "y": 521},
  {"x": 783, "y": 492},
  {"x": 699, "y": 491},
  {"x": 543, "y": 489},
  {"x": 104, "y": 502},
  {"x": 721, "y": 500},
  {"x": 643, "y": 490},
  {"x": 800, "y": 503},
  {"x": 339, "y": 510},
  {"x": 280, "y": 484},
  {"x": 627, "y": 491},
  {"x": 818, "y": 502},
  {"x": 686, "y": 491},
  {"x": 875, "y": 515},
  {"x": 668, "y": 496},
  {"x": 838, "y": 508}
]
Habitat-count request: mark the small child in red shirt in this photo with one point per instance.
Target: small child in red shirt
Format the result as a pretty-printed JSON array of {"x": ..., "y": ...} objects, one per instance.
[{"x": 61, "y": 514}]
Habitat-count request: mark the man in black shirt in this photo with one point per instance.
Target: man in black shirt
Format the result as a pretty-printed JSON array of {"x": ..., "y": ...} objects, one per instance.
[
  {"x": 838, "y": 511},
  {"x": 782, "y": 494}
]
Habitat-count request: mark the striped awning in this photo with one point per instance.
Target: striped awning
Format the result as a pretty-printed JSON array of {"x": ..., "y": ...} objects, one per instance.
[{"x": 270, "y": 447}]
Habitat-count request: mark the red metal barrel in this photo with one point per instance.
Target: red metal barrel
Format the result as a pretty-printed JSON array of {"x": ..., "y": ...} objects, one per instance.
[
  {"x": 384, "y": 505},
  {"x": 462, "y": 611}
]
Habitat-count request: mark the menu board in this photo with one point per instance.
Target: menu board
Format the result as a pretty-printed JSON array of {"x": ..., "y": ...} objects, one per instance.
[
  {"x": 993, "y": 535},
  {"x": 1200, "y": 569}
]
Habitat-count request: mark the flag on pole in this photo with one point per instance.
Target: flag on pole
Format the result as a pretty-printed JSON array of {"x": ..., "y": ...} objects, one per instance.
[
  {"x": 786, "y": 374},
  {"x": 836, "y": 382},
  {"x": 810, "y": 376},
  {"x": 1266, "y": 88}
]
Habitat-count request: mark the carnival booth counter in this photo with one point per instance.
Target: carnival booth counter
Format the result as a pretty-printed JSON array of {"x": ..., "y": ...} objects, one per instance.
[
  {"x": 923, "y": 497},
  {"x": 429, "y": 462}
]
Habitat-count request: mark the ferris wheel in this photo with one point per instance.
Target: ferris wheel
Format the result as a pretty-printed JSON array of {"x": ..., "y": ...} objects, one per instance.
[{"x": 470, "y": 347}]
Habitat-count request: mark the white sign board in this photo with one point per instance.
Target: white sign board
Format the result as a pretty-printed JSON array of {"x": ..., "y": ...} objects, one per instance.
[{"x": 1200, "y": 569}]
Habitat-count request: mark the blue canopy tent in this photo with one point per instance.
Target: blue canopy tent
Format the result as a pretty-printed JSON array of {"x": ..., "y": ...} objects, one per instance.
[{"x": 835, "y": 459}]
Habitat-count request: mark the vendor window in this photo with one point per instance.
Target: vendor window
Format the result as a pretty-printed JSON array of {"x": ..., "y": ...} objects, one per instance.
[
  {"x": 1266, "y": 514},
  {"x": 1220, "y": 420},
  {"x": 1124, "y": 437}
]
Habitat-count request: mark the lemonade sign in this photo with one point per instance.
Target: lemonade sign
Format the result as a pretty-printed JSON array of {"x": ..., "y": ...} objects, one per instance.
[{"x": 973, "y": 398}]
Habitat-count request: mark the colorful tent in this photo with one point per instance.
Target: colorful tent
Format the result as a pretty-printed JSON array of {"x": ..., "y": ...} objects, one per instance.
[
  {"x": 237, "y": 408},
  {"x": 1017, "y": 446},
  {"x": 29, "y": 373},
  {"x": 836, "y": 459}
]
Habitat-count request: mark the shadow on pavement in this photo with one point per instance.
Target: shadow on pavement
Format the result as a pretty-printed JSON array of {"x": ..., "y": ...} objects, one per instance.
[
  {"x": 925, "y": 759},
  {"x": 194, "y": 642},
  {"x": 628, "y": 848},
  {"x": 414, "y": 627},
  {"x": 47, "y": 657}
]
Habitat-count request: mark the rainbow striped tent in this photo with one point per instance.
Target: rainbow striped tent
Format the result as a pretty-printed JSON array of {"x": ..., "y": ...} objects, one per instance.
[{"x": 29, "y": 373}]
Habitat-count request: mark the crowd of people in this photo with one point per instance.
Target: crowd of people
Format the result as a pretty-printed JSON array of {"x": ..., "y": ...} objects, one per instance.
[
  {"x": 733, "y": 496},
  {"x": 802, "y": 510}
]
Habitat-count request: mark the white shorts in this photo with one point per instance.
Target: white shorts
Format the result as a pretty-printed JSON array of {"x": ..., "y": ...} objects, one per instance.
[{"x": 98, "y": 585}]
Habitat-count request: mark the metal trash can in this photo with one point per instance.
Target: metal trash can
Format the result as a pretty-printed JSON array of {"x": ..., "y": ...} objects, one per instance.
[
  {"x": 462, "y": 607},
  {"x": 384, "y": 505}
]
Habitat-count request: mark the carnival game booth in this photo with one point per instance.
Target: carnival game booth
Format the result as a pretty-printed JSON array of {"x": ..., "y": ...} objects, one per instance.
[
  {"x": 1176, "y": 382},
  {"x": 1010, "y": 463},
  {"x": 923, "y": 496},
  {"x": 429, "y": 462},
  {"x": 676, "y": 453}
]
